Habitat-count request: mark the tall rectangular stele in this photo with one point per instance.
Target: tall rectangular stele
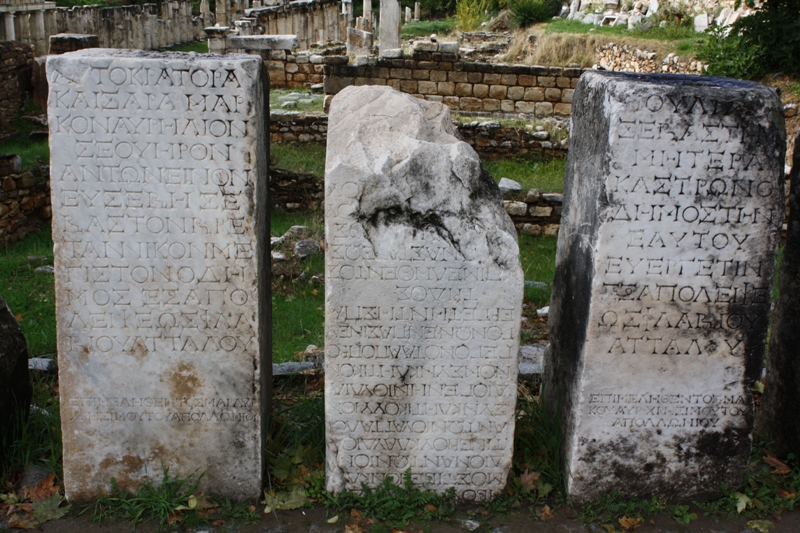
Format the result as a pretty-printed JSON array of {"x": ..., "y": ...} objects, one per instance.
[
  {"x": 423, "y": 302},
  {"x": 159, "y": 189},
  {"x": 673, "y": 207}
]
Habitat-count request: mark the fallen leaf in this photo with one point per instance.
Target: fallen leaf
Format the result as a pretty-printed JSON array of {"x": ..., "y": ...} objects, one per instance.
[
  {"x": 609, "y": 528},
  {"x": 545, "y": 513},
  {"x": 18, "y": 317},
  {"x": 218, "y": 523},
  {"x": 742, "y": 501},
  {"x": 528, "y": 479},
  {"x": 355, "y": 514},
  {"x": 174, "y": 517},
  {"x": 629, "y": 524},
  {"x": 352, "y": 528},
  {"x": 42, "y": 490},
  {"x": 780, "y": 468},
  {"x": 333, "y": 520},
  {"x": 760, "y": 525},
  {"x": 25, "y": 521},
  {"x": 252, "y": 508},
  {"x": 285, "y": 501},
  {"x": 431, "y": 508},
  {"x": 787, "y": 494}
]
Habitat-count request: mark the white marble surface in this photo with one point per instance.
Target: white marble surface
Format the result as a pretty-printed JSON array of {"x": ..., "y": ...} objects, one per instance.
[
  {"x": 158, "y": 168},
  {"x": 423, "y": 301}
]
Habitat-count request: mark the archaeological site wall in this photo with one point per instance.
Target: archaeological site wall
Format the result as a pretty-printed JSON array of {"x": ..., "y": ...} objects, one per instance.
[{"x": 15, "y": 66}]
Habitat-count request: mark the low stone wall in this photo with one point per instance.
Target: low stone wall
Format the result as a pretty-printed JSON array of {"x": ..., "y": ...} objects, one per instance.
[
  {"x": 288, "y": 127},
  {"x": 294, "y": 191},
  {"x": 298, "y": 70},
  {"x": 16, "y": 60},
  {"x": 490, "y": 139},
  {"x": 464, "y": 86},
  {"x": 537, "y": 213},
  {"x": 24, "y": 201}
]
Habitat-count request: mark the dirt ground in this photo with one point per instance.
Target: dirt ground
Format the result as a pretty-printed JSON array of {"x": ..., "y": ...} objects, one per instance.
[{"x": 314, "y": 520}]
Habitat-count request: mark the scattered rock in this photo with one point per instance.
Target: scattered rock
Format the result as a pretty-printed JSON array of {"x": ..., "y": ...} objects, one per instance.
[
  {"x": 283, "y": 369},
  {"x": 37, "y": 259},
  {"x": 543, "y": 312},
  {"x": 42, "y": 364},
  {"x": 306, "y": 247},
  {"x": 45, "y": 269},
  {"x": 507, "y": 185},
  {"x": 278, "y": 256},
  {"x": 297, "y": 232},
  {"x": 289, "y": 104},
  {"x": 32, "y": 476},
  {"x": 541, "y": 135},
  {"x": 537, "y": 284},
  {"x": 469, "y": 525}
]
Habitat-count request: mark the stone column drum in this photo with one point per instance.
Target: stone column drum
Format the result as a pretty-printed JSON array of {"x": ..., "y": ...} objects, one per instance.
[
  {"x": 423, "y": 301},
  {"x": 673, "y": 203},
  {"x": 159, "y": 190}
]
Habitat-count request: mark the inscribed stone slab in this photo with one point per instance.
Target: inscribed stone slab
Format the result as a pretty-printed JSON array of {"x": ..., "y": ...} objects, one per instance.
[
  {"x": 389, "y": 25},
  {"x": 673, "y": 205},
  {"x": 423, "y": 301},
  {"x": 159, "y": 172}
]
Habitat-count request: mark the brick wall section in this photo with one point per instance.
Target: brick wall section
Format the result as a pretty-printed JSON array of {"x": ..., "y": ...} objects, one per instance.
[
  {"x": 24, "y": 203},
  {"x": 490, "y": 140},
  {"x": 16, "y": 60},
  {"x": 464, "y": 86}
]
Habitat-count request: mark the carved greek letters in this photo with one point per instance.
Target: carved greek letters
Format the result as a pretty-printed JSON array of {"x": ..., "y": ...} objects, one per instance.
[
  {"x": 421, "y": 331},
  {"x": 155, "y": 171},
  {"x": 673, "y": 204}
]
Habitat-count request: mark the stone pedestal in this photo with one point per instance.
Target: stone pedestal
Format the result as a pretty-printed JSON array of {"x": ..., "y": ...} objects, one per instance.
[
  {"x": 159, "y": 216},
  {"x": 423, "y": 301},
  {"x": 673, "y": 203},
  {"x": 778, "y": 417}
]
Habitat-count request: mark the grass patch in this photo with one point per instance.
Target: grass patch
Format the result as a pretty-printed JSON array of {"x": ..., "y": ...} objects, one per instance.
[
  {"x": 545, "y": 175},
  {"x": 300, "y": 158},
  {"x": 201, "y": 47},
  {"x": 31, "y": 294},
  {"x": 670, "y": 32},
  {"x": 538, "y": 258},
  {"x": 33, "y": 153},
  {"x": 425, "y": 28}
]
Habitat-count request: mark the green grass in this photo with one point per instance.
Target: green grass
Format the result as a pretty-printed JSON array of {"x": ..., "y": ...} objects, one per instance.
[
  {"x": 201, "y": 47},
  {"x": 316, "y": 107},
  {"x": 298, "y": 320},
  {"x": 537, "y": 255},
  {"x": 31, "y": 294},
  {"x": 33, "y": 153},
  {"x": 299, "y": 157},
  {"x": 670, "y": 32},
  {"x": 425, "y": 28},
  {"x": 545, "y": 175}
]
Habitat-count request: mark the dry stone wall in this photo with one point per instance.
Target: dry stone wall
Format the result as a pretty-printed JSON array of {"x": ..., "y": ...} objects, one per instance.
[
  {"x": 16, "y": 60},
  {"x": 465, "y": 86},
  {"x": 24, "y": 200}
]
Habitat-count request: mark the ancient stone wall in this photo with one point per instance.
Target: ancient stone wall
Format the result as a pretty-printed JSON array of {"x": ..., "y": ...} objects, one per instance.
[
  {"x": 464, "y": 86},
  {"x": 24, "y": 202},
  {"x": 312, "y": 21},
  {"x": 15, "y": 74},
  {"x": 302, "y": 69},
  {"x": 140, "y": 27}
]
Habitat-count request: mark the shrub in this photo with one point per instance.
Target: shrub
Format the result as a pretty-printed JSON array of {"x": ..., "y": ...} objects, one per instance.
[
  {"x": 470, "y": 13},
  {"x": 766, "y": 41},
  {"x": 527, "y": 12}
]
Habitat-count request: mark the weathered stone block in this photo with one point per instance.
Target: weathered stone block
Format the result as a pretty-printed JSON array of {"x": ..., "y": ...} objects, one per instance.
[
  {"x": 651, "y": 363},
  {"x": 389, "y": 228},
  {"x": 464, "y": 89},
  {"x": 534, "y": 94},
  {"x": 426, "y": 87},
  {"x": 162, "y": 295},
  {"x": 551, "y": 94},
  {"x": 778, "y": 418},
  {"x": 516, "y": 93},
  {"x": 497, "y": 91},
  {"x": 480, "y": 90}
]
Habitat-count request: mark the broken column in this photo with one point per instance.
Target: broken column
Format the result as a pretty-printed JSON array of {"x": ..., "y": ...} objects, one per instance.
[
  {"x": 778, "y": 417},
  {"x": 159, "y": 191},
  {"x": 673, "y": 205},
  {"x": 423, "y": 302},
  {"x": 389, "y": 26}
]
